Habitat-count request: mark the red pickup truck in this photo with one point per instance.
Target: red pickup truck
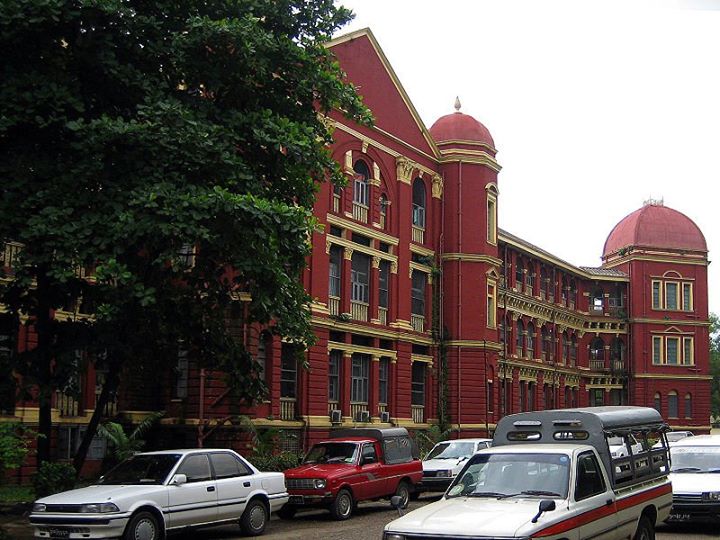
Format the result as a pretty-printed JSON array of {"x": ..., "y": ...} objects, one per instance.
[{"x": 354, "y": 465}]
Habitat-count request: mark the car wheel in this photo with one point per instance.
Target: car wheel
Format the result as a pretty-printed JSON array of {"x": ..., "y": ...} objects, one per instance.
[
  {"x": 342, "y": 507},
  {"x": 287, "y": 512},
  {"x": 645, "y": 530},
  {"x": 143, "y": 526},
  {"x": 403, "y": 491},
  {"x": 254, "y": 518}
]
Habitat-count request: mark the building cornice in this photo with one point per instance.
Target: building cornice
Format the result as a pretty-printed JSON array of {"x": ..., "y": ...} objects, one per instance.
[{"x": 471, "y": 257}]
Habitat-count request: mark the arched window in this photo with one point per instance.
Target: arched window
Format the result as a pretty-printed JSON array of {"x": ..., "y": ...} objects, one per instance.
[
  {"x": 564, "y": 290},
  {"x": 545, "y": 343},
  {"x": 529, "y": 278},
  {"x": 544, "y": 283},
  {"x": 361, "y": 192},
  {"x": 596, "y": 302},
  {"x": 418, "y": 203},
  {"x": 264, "y": 343},
  {"x": 617, "y": 354},
  {"x": 573, "y": 350},
  {"x": 519, "y": 338},
  {"x": 657, "y": 402},
  {"x": 384, "y": 203},
  {"x": 530, "y": 340},
  {"x": 597, "y": 353},
  {"x": 572, "y": 300},
  {"x": 672, "y": 404},
  {"x": 519, "y": 274},
  {"x": 688, "y": 406},
  {"x": 565, "y": 348}
]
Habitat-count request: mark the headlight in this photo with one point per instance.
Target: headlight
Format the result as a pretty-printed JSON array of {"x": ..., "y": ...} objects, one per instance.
[
  {"x": 444, "y": 474},
  {"x": 99, "y": 508},
  {"x": 319, "y": 483},
  {"x": 39, "y": 507},
  {"x": 393, "y": 536},
  {"x": 711, "y": 496}
]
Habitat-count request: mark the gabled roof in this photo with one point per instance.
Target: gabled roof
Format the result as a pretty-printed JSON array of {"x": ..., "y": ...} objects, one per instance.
[{"x": 367, "y": 67}]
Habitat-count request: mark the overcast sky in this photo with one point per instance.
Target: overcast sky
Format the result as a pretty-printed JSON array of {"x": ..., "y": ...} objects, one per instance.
[{"x": 594, "y": 107}]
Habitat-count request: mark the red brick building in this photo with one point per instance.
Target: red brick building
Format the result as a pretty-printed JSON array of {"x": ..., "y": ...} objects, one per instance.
[{"x": 423, "y": 305}]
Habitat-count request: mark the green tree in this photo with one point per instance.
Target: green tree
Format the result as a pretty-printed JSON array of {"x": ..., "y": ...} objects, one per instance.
[
  {"x": 122, "y": 444},
  {"x": 715, "y": 364},
  {"x": 174, "y": 148}
]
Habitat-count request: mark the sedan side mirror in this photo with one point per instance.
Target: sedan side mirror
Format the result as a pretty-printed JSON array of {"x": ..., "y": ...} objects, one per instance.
[{"x": 178, "y": 480}]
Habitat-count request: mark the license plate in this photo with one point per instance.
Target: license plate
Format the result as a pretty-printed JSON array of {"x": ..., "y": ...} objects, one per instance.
[
  {"x": 59, "y": 533},
  {"x": 296, "y": 499},
  {"x": 679, "y": 517}
]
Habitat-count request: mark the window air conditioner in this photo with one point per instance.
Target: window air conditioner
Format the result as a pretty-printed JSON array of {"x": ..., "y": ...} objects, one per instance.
[
  {"x": 362, "y": 416},
  {"x": 336, "y": 416},
  {"x": 385, "y": 417}
]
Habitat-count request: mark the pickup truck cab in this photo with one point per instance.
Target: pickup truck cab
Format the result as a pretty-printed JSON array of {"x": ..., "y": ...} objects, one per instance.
[
  {"x": 446, "y": 460},
  {"x": 354, "y": 465},
  {"x": 551, "y": 475}
]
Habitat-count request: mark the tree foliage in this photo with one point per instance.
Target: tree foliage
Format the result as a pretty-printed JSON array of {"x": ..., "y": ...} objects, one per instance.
[
  {"x": 174, "y": 148},
  {"x": 715, "y": 364}
]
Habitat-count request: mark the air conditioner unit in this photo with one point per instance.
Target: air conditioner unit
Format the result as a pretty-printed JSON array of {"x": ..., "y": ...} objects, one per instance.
[
  {"x": 385, "y": 417},
  {"x": 336, "y": 416},
  {"x": 362, "y": 416}
]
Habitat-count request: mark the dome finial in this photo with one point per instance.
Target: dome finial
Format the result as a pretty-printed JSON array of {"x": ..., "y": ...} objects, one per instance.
[{"x": 457, "y": 104}]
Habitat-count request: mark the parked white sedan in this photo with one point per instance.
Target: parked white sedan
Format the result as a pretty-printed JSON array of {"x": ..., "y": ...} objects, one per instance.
[{"x": 155, "y": 492}]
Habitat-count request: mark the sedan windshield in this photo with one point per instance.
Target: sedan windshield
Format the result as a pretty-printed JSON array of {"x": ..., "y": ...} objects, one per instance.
[
  {"x": 510, "y": 475},
  {"x": 695, "y": 459},
  {"x": 142, "y": 469},
  {"x": 451, "y": 450},
  {"x": 332, "y": 453}
]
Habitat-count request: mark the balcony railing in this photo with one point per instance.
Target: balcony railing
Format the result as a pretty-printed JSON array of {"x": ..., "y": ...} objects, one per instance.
[
  {"x": 334, "y": 305},
  {"x": 417, "y": 322},
  {"x": 418, "y": 235},
  {"x": 356, "y": 410},
  {"x": 333, "y": 406},
  {"x": 360, "y": 212},
  {"x": 287, "y": 408},
  {"x": 618, "y": 366},
  {"x": 382, "y": 315},
  {"x": 67, "y": 405},
  {"x": 418, "y": 414},
  {"x": 336, "y": 203},
  {"x": 597, "y": 365},
  {"x": 358, "y": 311}
]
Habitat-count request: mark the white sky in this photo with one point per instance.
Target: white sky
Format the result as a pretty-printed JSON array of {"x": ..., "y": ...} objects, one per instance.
[{"x": 594, "y": 106}]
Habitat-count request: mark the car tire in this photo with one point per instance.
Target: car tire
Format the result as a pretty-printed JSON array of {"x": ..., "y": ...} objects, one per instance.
[
  {"x": 342, "y": 507},
  {"x": 254, "y": 518},
  {"x": 645, "y": 530},
  {"x": 287, "y": 512},
  {"x": 143, "y": 526},
  {"x": 403, "y": 491}
]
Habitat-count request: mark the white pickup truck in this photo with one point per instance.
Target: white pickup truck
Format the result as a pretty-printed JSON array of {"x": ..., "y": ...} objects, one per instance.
[{"x": 551, "y": 475}]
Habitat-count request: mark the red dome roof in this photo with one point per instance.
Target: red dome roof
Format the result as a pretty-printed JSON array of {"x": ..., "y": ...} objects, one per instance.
[
  {"x": 655, "y": 226},
  {"x": 460, "y": 127}
]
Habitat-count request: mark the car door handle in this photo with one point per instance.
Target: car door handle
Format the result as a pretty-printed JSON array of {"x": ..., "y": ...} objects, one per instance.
[
  {"x": 246, "y": 484},
  {"x": 211, "y": 488}
]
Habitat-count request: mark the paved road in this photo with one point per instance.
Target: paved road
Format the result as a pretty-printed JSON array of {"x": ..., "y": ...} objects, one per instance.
[{"x": 366, "y": 524}]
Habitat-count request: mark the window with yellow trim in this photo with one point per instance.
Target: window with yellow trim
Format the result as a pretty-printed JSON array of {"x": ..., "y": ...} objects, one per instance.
[
  {"x": 491, "y": 305},
  {"x": 657, "y": 350},
  {"x": 672, "y": 295},
  {"x": 492, "y": 220},
  {"x": 688, "y": 351},
  {"x": 672, "y": 352}
]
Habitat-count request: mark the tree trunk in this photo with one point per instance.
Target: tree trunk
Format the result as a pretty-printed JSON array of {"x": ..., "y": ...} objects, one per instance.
[
  {"x": 109, "y": 387},
  {"x": 43, "y": 327}
]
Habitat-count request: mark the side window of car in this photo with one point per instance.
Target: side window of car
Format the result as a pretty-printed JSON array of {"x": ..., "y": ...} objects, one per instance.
[
  {"x": 368, "y": 453},
  {"x": 196, "y": 467},
  {"x": 227, "y": 466},
  {"x": 589, "y": 480}
]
